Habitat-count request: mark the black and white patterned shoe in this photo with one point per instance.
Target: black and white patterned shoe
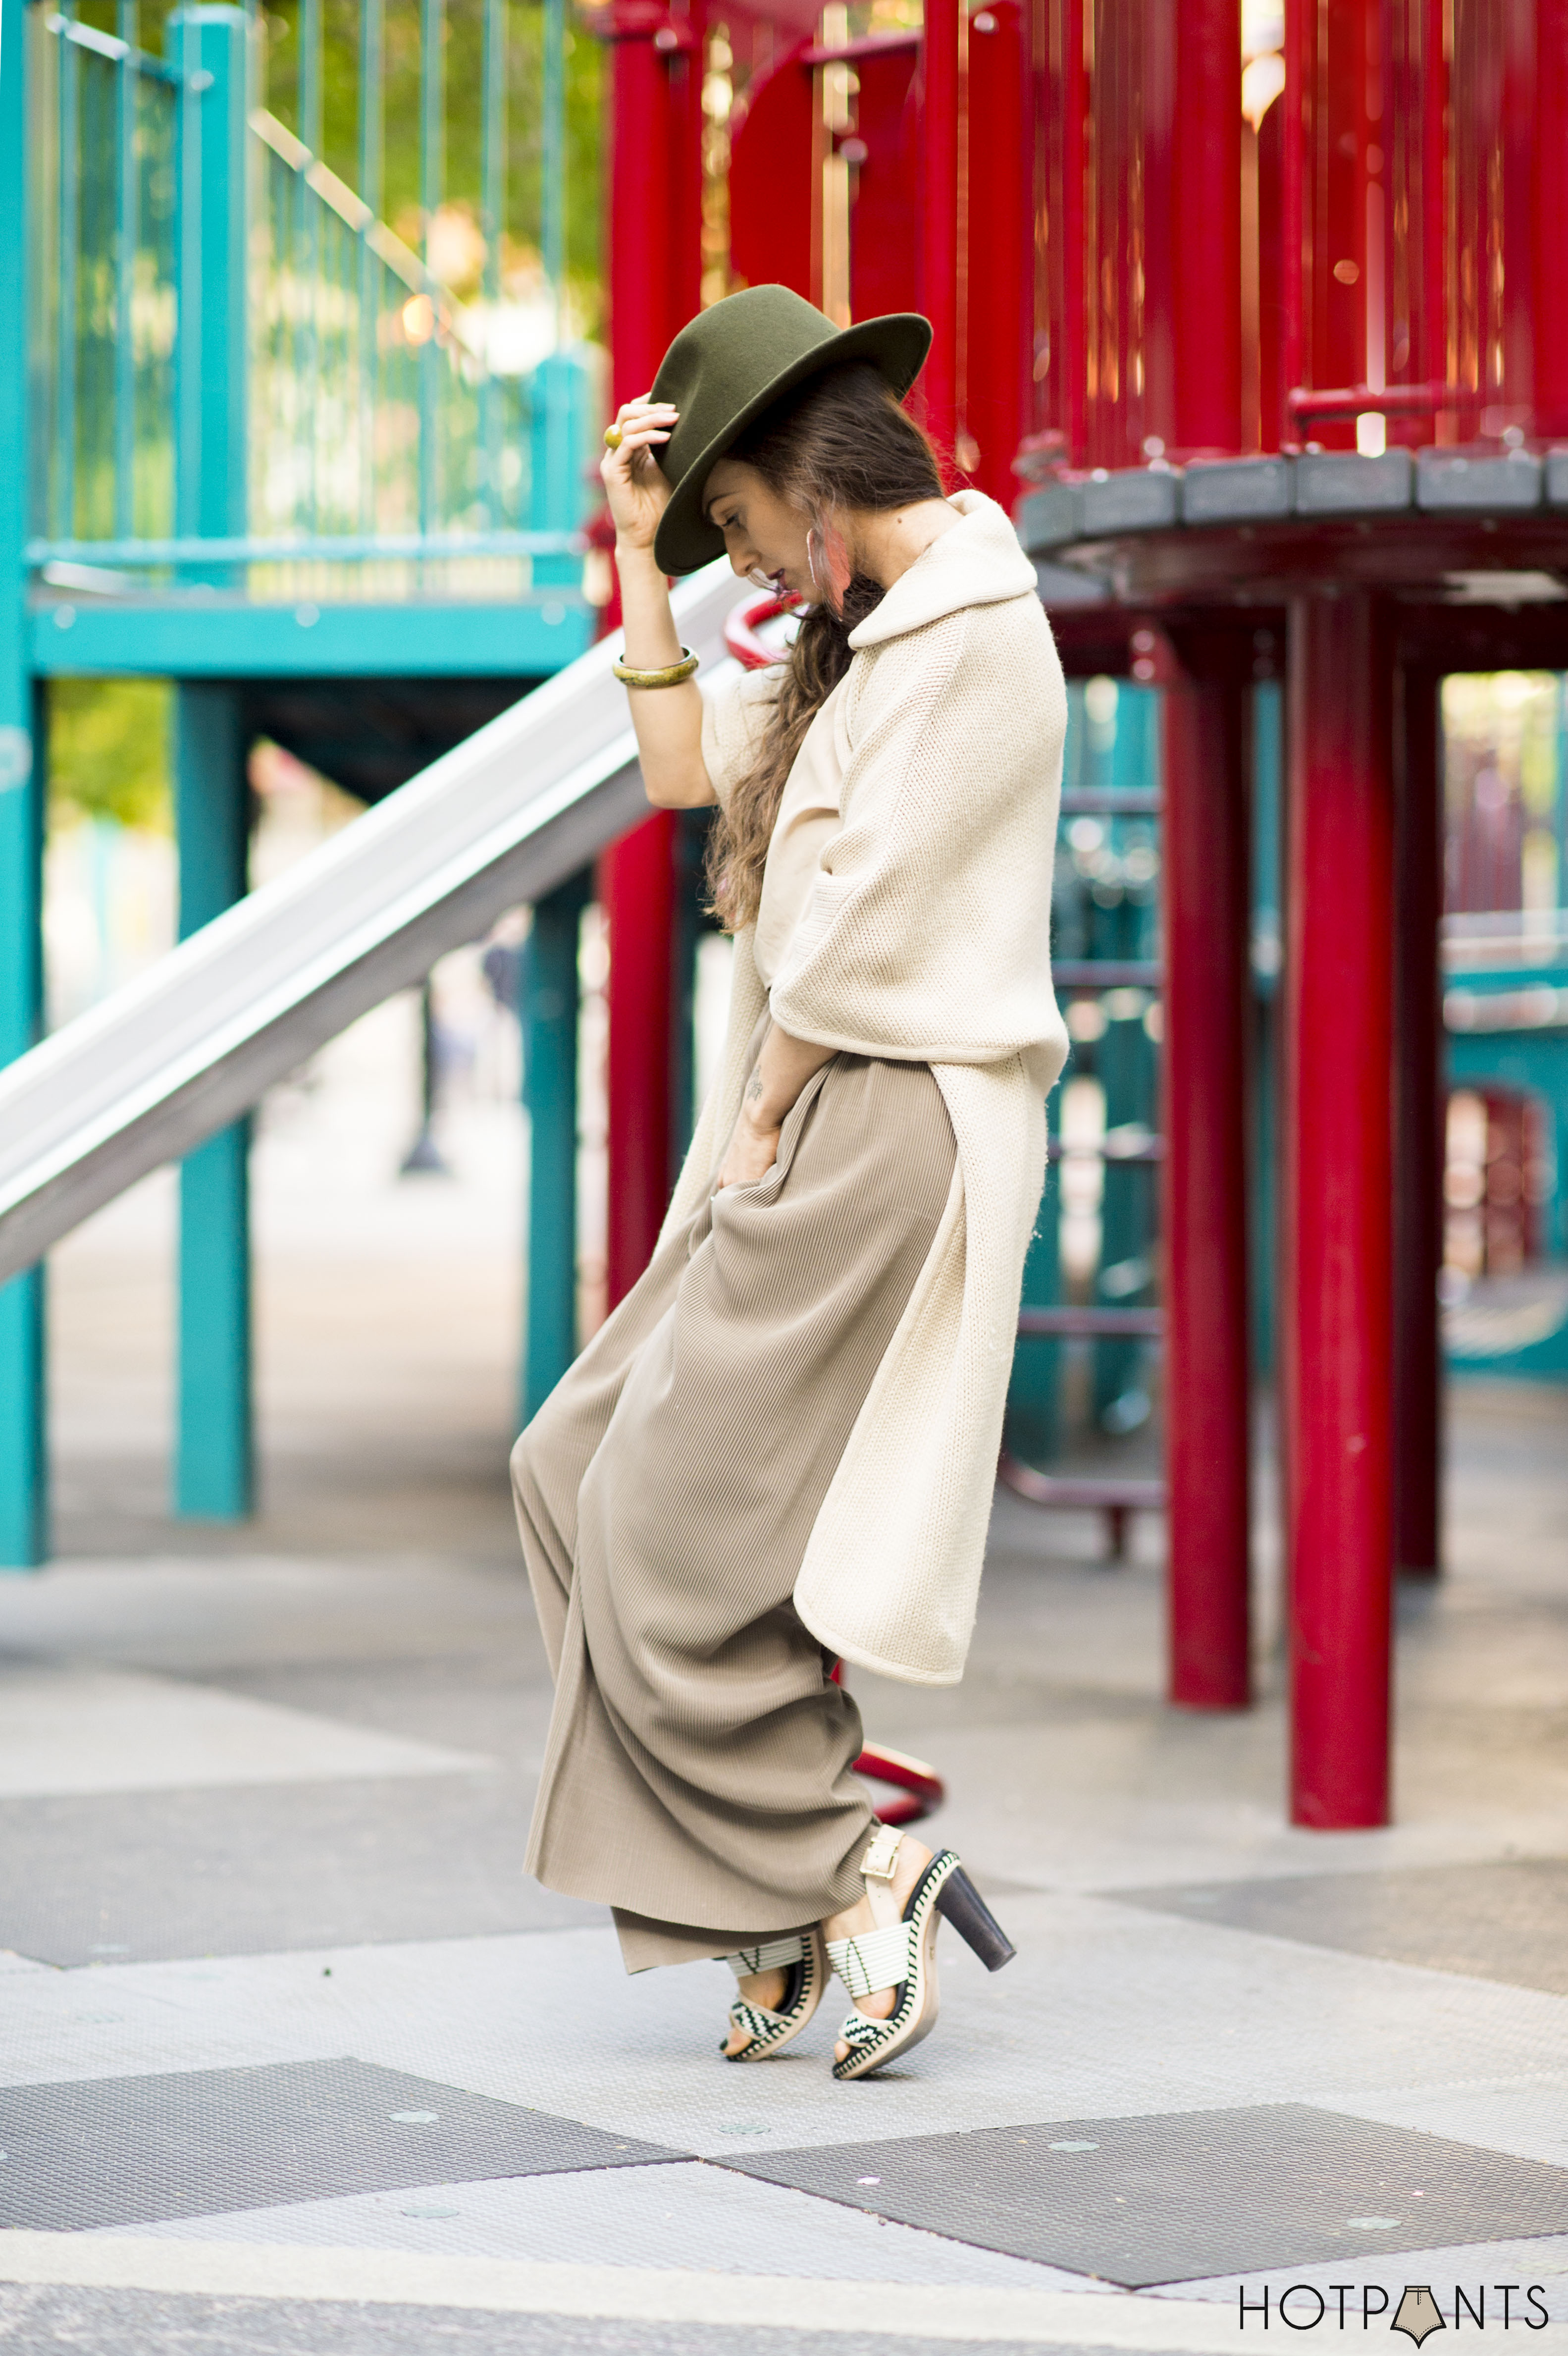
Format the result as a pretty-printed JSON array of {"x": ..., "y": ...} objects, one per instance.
[
  {"x": 900, "y": 1954},
  {"x": 803, "y": 1959}
]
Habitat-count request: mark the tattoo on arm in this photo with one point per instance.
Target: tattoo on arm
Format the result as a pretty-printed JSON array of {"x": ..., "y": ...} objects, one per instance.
[{"x": 754, "y": 1088}]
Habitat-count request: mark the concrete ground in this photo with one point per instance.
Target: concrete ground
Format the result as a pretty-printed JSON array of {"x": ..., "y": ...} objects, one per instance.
[{"x": 292, "y": 2057}]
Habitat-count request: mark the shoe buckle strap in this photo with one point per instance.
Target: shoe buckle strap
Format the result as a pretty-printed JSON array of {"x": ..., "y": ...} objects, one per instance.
[
  {"x": 877, "y": 1867},
  {"x": 881, "y": 1860}
]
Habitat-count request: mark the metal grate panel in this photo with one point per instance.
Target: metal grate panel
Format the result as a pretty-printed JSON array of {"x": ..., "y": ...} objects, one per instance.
[
  {"x": 118, "y": 2151},
  {"x": 1187, "y": 2194},
  {"x": 1505, "y": 1922}
]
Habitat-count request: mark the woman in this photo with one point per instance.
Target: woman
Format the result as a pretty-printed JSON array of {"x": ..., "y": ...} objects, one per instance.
[{"x": 779, "y": 1450}]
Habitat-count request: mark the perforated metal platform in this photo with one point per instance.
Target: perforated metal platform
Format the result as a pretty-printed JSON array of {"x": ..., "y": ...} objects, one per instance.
[
  {"x": 1506, "y": 1921},
  {"x": 1188, "y": 2194},
  {"x": 118, "y": 2151}
]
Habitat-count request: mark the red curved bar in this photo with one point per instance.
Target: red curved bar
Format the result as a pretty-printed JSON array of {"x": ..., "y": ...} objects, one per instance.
[
  {"x": 923, "y": 1786},
  {"x": 741, "y": 629}
]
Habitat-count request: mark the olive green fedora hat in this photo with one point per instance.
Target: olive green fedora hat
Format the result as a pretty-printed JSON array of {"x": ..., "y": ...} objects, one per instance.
[{"x": 733, "y": 361}]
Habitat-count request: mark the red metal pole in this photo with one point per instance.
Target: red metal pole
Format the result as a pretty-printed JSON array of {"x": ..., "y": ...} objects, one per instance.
[
  {"x": 942, "y": 101},
  {"x": 1550, "y": 149},
  {"x": 636, "y": 889},
  {"x": 639, "y": 198},
  {"x": 1205, "y": 869},
  {"x": 1001, "y": 262},
  {"x": 1431, "y": 354},
  {"x": 1297, "y": 179},
  {"x": 1339, "y": 1175},
  {"x": 1418, "y": 1132},
  {"x": 655, "y": 265},
  {"x": 1070, "y": 359},
  {"x": 1206, "y": 230}
]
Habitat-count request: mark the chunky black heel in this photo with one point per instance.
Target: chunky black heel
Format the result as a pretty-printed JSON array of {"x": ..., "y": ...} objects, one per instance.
[{"x": 973, "y": 1920}]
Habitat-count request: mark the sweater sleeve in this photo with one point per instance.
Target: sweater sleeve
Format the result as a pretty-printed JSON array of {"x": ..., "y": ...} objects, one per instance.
[
  {"x": 735, "y": 715},
  {"x": 926, "y": 935}
]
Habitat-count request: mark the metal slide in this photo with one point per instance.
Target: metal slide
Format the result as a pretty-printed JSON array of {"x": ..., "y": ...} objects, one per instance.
[{"x": 163, "y": 1064}]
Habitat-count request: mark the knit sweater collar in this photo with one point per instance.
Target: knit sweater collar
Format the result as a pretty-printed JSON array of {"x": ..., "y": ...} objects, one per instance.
[{"x": 979, "y": 564}]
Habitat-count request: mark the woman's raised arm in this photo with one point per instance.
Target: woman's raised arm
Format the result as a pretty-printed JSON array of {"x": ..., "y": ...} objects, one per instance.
[{"x": 668, "y": 720}]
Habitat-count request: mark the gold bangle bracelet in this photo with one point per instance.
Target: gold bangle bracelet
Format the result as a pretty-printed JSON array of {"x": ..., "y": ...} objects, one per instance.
[{"x": 670, "y": 676}]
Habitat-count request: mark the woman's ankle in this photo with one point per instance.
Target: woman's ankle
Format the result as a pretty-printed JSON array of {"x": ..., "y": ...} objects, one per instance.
[
  {"x": 910, "y": 1863},
  {"x": 765, "y": 1989}
]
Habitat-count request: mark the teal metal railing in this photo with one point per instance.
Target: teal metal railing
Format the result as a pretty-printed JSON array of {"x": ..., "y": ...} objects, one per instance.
[
  {"x": 103, "y": 220},
  {"x": 242, "y": 377}
]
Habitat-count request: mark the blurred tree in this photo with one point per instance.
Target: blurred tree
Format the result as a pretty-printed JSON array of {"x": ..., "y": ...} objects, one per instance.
[{"x": 109, "y": 751}]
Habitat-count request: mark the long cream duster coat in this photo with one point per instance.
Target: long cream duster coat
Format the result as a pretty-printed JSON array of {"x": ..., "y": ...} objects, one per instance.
[{"x": 925, "y": 937}]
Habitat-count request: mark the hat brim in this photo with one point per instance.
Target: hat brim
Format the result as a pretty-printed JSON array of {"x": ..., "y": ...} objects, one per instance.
[{"x": 896, "y": 344}]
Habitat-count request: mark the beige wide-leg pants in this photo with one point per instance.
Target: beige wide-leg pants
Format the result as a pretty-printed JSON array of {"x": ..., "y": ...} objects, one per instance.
[{"x": 698, "y": 1774}]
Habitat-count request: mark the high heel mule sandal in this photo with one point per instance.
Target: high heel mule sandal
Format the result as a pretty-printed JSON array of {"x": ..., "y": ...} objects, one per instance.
[
  {"x": 900, "y": 1952},
  {"x": 802, "y": 1957}
]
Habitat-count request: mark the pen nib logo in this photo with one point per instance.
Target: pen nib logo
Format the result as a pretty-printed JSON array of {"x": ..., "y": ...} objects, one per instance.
[{"x": 1418, "y": 2313}]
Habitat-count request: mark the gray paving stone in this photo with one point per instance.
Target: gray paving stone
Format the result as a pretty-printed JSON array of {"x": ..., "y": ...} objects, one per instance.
[
  {"x": 1187, "y": 2194},
  {"x": 700, "y": 2220},
  {"x": 137, "y": 1877},
  {"x": 1506, "y": 1921},
  {"x": 148, "y": 2323},
  {"x": 118, "y": 2151}
]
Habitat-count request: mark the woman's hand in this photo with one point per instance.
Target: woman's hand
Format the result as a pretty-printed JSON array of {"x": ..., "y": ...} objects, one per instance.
[
  {"x": 752, "y": 1150},
  {"x": 636, "y": 492},
  {"x": 781, "y": 1070}
]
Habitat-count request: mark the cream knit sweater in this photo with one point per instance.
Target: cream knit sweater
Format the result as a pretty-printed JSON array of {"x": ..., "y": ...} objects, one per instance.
[{"x": 926, "y": 937}]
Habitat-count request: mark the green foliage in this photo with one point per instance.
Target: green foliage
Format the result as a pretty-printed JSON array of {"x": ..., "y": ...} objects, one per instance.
[
  {"x": 465, "y": 92},
  {"x": 109, "y": 751}
]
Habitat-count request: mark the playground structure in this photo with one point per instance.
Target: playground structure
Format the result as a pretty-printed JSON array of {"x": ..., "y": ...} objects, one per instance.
[
  {"x": 1280, "y": 344},
  {"x": 1273, "y": 344},
  {"x": 256, "y": 446}
]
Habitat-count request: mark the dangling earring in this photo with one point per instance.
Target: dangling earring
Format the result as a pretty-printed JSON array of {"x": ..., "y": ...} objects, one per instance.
[{"x": 831, "y": 577}]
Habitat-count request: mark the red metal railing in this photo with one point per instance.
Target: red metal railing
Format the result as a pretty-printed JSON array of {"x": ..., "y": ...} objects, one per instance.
[
  {"x": 742, "y": 629},
  {"x": 922, "y": 1787}
]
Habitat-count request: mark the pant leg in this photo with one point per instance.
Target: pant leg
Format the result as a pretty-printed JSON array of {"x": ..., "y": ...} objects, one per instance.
[{"x": 699, "y": 1773}]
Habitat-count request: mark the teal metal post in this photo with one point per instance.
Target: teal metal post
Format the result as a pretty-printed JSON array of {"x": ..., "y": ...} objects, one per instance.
[
  {"x": 548, "y": 1009},
  {"x": 68, "y": 270},
  {"x": 24, "y": 1485},
  {"x": 1124, "y": 1064},
  {"x": 126, "y": 241},
  {"x": 1033, "y": 1429},
  {"x": 557, "y": 459},
  {"x": 211, "y": 367},
  {"x": 213, "y": 1456},
  {"x": 214, "y": 1453},
  {"x": 687, "y": 931}
]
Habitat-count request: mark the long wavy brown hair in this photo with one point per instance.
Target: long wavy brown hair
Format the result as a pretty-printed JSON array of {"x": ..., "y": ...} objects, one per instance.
[{"x": 842, "y": 442}]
